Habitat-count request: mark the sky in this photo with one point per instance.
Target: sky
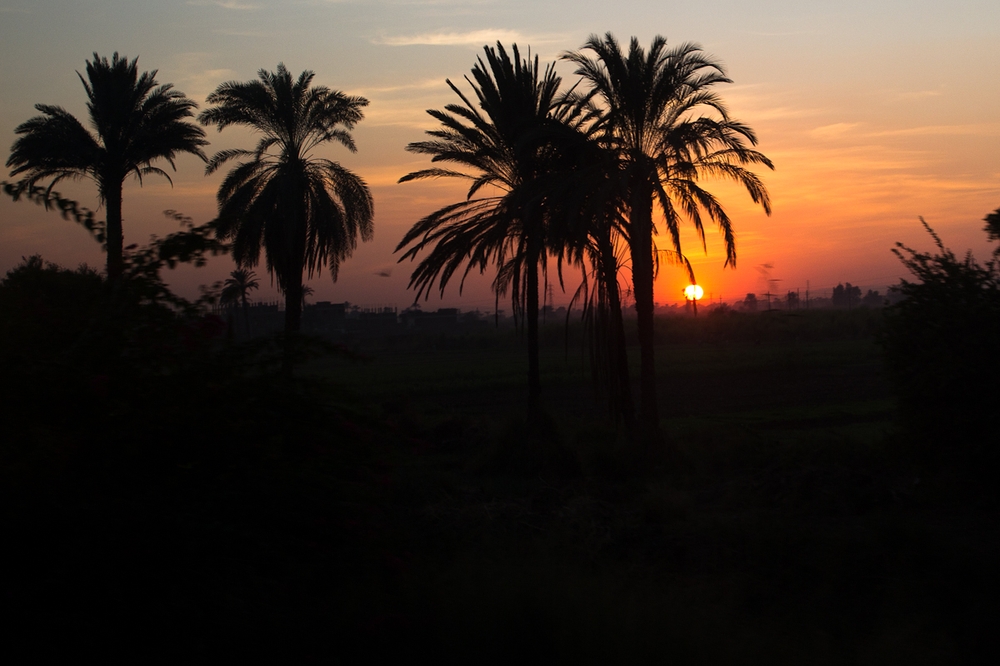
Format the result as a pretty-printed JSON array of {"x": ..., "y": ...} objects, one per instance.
[{"x": 874, "y": 113}]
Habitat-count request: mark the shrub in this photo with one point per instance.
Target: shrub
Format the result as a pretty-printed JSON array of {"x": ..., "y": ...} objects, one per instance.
[{"x": 942, "y": 345}]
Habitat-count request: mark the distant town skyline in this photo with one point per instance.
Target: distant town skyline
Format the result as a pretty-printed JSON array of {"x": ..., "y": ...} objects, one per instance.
[{"x": 874, "y": 114}]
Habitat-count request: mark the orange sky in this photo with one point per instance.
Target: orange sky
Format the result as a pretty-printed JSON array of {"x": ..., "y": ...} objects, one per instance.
[{"x": 873, "y": 115}]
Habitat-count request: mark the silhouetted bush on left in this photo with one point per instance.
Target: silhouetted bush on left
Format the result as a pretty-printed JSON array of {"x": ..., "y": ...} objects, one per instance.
[{"x": 132, "y": 428}]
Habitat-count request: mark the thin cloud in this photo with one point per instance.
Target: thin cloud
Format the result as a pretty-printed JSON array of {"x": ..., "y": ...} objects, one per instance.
[
  {"x": 193, "y": 75},
  {"x": 426, "y": 3},
  {"x": 920, "y": 94},
  {"x": 758, "y": 103},
  {"x": 426, "y": 84},
  {"x": 789, "y": 33},
  {"x": 239, "y": 33},
  {"x": 469, "y": 38},
  {"x": 833, "y": 131},
  {"x": 981, "y": 129},
  {"x": 224, "y": 4}
]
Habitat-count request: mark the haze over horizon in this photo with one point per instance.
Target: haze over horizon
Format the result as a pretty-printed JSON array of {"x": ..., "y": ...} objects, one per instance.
[{"x": 873, "y": 113}]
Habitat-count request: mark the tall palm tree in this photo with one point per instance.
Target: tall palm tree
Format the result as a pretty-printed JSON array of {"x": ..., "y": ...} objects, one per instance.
[
  {"x": 502, "y": 142},
  {"x": 303, "y": 211},
  {"x": 135, "y": 122},
  {"x": 585, "y": 203},
  {"x": 235, "y": 290},
  {"x": 670, "y": 130}
]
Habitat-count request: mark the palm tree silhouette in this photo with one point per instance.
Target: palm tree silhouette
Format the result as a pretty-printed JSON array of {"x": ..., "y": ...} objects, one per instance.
[
  {"x": 306, "y": 292},
  {"x": 235, "y": 290},
  {"x": 135, "y": 120},
  {"x": 504, "y": 143},
  {"x": 584, "y": 195},
  {"x": 303, "y": 211},
  {"x": 670, "y": 129}
]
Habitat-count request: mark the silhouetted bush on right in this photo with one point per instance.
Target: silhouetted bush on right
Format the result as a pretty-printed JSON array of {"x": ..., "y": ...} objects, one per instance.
[{"x": 942, "y": 345}]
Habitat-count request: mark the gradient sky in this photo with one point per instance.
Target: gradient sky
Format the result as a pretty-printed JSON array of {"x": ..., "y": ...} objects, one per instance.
[{"x": 873, "y": 112}]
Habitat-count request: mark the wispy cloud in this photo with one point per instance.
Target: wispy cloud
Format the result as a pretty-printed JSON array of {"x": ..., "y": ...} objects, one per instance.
[
  {"x": 193, "y": 74},
  {"x": 978, "y": 129},
  {"x": 224, "y": 4},
  {"x": 756, "y": 103},
  {"x": 428, "y": 3},
  {"x": 789, "y": 33},
  {"x": 920, "y": 94},
  {"x": 229, "y": 32},
  {"x": 834, "y": 131},
  {"x": 468, "y": 38},
  {"x": 425, "y": 84}
]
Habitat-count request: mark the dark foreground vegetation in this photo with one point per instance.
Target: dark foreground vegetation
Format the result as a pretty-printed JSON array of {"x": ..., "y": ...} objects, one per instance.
[
  {"x": 172, "y": 496},
  {"x": 821, "y": 491}
]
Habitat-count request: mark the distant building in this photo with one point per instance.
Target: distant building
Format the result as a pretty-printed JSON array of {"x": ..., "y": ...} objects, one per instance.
[
  {"x": 265, "y": 319},
  {"x": 415, "y": 319},
  {"x": 325, "y": 318},
  {"x": 374, "y": 321}
]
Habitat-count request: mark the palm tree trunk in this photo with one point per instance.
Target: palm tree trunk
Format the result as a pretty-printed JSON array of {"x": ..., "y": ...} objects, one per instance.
[
  {"x": 114, "y": 239},
  {"x": 293, "y": 321},
  {"x": 641, "y": 245},
  {"x": 620, "y": 384},
  {"x": 246, "y": 313},
  {"x": 531, "y": 307},
  {"x": 293, "y": 303},
  {"x": 293, "y": 284}
]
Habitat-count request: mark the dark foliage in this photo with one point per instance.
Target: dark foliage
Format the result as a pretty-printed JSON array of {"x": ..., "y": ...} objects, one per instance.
[
  {"x": 846, "y": 296},
  {"x": 872, "y": 299},
  {"x": 146, "y": 462},
  {"x": 992, "y": 228},
  {"x": 942, "y": 343}
]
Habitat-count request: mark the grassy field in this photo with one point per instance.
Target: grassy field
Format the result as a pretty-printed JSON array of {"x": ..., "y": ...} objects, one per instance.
[
  {"x": 771, "y": 385},
  {"x": 410, "y": 517},
  {"x": 794, "y": 527}
]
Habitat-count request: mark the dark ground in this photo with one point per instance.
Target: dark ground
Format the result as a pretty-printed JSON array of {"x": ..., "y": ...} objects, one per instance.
[{"x": 399, "y": 510}]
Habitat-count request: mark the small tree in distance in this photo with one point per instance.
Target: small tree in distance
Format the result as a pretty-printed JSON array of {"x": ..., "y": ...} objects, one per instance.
[
  {"x": 872, "y": 299},
  {"x": 235, "y": 290},
  {"x": 845, "y": 296}
]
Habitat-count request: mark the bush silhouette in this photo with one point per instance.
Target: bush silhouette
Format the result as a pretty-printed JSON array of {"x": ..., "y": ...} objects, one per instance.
[{"x": 942, "y": 343}]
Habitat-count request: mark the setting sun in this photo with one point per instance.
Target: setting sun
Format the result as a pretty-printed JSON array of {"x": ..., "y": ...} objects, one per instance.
[{"x": 693, "y": 292}]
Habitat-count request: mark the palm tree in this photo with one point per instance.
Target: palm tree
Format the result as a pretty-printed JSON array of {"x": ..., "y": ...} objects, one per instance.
[
  {"x": 303, "y": 211},
  {"x": 235, "y": 290},
  {"x": 669, "y": 129},
  {"x": 585, "y": 203},
  {"x": 503, "y": 143},
  {"x": 135, "y": 120}
]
